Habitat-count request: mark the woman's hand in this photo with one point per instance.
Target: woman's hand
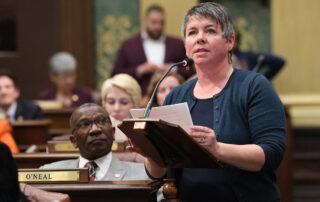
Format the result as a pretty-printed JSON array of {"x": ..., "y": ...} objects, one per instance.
[
  {"x": 247, "y": 157},
  {"x": 205, "y": 136}
]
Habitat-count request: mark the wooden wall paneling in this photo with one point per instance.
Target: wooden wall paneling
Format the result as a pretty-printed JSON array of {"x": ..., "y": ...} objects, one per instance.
[
  {"x": 38, "y": 38},
  {"x": 77, "y": 37},
  {"x": 46, "y": 27},
  {"x": 295, "y": 36}
]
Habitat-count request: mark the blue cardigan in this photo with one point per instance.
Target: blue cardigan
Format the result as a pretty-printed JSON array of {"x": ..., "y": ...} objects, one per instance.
[{"x": 246, "y": 111}]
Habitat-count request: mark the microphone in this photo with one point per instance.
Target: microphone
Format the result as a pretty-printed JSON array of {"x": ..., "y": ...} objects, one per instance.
[
  {"x": 185, "y": 63},
  {"x": 259, "y": 62}
]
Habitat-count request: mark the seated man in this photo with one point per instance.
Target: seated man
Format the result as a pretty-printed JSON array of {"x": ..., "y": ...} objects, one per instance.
[
  {"x": 10, "y": 106},
  {"x": 93, "y": 134}
]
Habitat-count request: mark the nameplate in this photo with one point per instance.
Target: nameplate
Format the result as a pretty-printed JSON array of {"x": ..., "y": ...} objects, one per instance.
[
  {"x": 58, "y": 146},
  {"x": 53, "y": 176},
  {"x": 139, "y": 125},
  {"x": 119, "y": 146},
  {"x": 67, "y": 147}
]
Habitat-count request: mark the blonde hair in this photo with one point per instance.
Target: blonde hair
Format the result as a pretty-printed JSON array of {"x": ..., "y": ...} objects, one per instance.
[{"x": 124, "y": 82}]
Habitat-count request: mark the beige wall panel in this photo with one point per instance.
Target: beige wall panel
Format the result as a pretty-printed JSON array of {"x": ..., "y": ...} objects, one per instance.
[
  {"x": 175, "y": 10},
  {"x": 295, "y": 31}
]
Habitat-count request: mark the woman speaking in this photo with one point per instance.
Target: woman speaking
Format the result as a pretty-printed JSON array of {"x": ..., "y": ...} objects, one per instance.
[{"x": 237, "y": 117}]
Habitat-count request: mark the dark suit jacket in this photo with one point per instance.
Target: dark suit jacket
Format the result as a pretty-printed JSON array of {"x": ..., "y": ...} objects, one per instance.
[
  {"x": 27, "y": 110},
  {"x": 9, "y": 186},
  {"x": 131, "y": 54}
]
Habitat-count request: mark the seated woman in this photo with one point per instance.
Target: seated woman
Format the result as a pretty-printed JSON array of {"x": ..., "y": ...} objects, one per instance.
[
  {"x": 6, "y": 136},
  {"x": 63, "y": 75},
  {"x": 169, "y": 82},
  {"x": 119, "y": 94}
]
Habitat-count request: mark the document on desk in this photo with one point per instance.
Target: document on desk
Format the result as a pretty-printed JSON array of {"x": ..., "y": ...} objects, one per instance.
[{"x": 177, "y": 113}]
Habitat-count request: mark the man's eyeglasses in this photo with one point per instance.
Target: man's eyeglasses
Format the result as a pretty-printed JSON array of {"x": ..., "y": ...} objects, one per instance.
[{"x": 86, "y": 124}]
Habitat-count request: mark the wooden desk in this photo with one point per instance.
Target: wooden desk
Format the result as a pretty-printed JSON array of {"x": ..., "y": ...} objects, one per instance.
[
  {"x": 111, "y": 191},
  {"x": 60, "y": 120},
  {"x": 30, "y": 132},
  {"x": 65, "y": 146},
  {"x": 35, "y": 160}
]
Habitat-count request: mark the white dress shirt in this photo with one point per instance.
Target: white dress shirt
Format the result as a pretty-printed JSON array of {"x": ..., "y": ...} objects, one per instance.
[
  {"x": 103, "y": 164},
  {"x": 154, "y": 49}
]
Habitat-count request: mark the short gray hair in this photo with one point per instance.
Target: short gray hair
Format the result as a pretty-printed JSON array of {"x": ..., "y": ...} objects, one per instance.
[
  {"x": 213, "y": 10},
  {"x": 62, "y": 62}
]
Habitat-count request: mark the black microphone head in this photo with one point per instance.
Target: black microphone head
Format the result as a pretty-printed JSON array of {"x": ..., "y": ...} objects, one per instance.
[{"x": 188, "y": 62}]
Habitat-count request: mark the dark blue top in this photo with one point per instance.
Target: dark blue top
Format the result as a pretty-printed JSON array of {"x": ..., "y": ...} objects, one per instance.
[
  {"x": 246, "y": 111},
  {"x": 215, "y": 183}
]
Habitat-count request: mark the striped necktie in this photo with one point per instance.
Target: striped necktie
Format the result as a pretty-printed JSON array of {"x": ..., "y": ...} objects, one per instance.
[{"x": 92, "y": 169}]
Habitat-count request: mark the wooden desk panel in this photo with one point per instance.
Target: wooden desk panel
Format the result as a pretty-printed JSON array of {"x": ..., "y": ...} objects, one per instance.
[
  {"x": 65, "y": 146},
  {"x": 30, "y": 132},
  {"x": 60, "y": 120},
  {"x": 35, "y": 160},
  {"x": 111, "y": 191}
]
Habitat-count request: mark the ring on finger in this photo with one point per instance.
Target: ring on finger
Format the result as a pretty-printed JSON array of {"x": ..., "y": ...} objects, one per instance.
[{"x": 202, "y": 139}]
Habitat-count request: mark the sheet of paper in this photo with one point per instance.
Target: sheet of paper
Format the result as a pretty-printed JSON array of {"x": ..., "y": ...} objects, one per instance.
[
  {"x": 177, "y": 113},
  {"x": 119, "y": 136}
]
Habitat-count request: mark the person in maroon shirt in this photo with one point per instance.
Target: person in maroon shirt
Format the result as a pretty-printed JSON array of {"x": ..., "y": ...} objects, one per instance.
[{"x": 150, "y": 51}]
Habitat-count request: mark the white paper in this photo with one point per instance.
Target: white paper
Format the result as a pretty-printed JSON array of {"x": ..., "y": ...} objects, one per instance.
[
  {"x": 177, "y": 113},
  {"x": 119, "y": 136}
]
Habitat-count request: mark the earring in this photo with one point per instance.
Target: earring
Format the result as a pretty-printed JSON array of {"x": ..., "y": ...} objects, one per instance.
[{"x": 230, "y": 57}]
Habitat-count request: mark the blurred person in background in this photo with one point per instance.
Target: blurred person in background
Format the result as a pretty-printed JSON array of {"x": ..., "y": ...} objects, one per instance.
[
  {"x": 12, "y": 191},
  {"x": 266, "y": 64},
  {"x": 6, "y": 136},
  {"x": 9, "y": 185},
  {"x": 62, "y": 67},
  {"x": 11, "y": 107},
  {"x": 151, "y": 51},
  {"x": 119, "y": 94},
  {"x": 168, "y": 83}
]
